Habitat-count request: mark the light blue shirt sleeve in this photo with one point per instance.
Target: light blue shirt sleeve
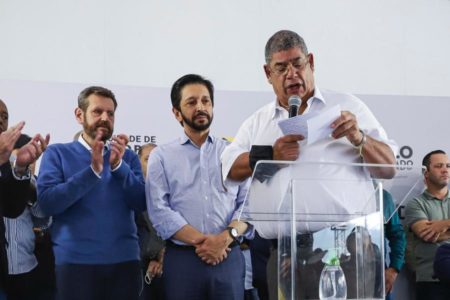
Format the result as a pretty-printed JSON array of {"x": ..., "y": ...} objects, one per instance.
[
  {"x": 241, "y": 213},
  {"x": 165, "y": 220}
]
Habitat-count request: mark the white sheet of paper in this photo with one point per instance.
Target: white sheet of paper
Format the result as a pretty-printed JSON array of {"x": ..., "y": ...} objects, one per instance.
[
  {"x": 313, "y": 126},
  {"x": 319, "y": 126},
  {"x": 295, "y": 125}
]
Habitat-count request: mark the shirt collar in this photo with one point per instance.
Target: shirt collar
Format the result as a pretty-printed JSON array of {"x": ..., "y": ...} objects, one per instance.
[
  {"x": 184, "y": 139},
  {"x": 277, "y": 110},
  {"x": 317, "y": 96},
  {"x": 89, "y": 148},
  {"x": 429, "y": 196}
]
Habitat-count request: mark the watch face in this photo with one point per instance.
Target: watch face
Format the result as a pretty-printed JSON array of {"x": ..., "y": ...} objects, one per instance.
[{"x": 234, "y": 232}]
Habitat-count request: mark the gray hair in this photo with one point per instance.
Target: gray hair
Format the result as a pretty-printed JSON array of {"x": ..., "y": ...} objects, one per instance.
[{"x": 284, "y": 40}]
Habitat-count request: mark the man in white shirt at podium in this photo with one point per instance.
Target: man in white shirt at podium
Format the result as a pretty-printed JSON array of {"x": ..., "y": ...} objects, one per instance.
[{"x": 357, "y": 136}]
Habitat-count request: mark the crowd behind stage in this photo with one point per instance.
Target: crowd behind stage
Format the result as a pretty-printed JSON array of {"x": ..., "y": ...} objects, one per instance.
[{"x": 170, "y": 221}]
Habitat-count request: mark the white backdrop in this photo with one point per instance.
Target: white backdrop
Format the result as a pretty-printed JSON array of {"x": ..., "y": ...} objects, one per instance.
[
  {"x": 362, "y": 46},
  {"x": 417, "y": 123},
  {"x": 145, "y": 115},
  {"x": 394, "y": 54}
]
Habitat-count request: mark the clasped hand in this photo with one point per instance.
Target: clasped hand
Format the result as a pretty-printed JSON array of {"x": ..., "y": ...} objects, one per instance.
[{"x": 213, "y": 249}]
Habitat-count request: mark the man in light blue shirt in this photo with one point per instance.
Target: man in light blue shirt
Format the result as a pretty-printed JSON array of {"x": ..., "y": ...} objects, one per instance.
[
  {"x": 191, "y": 208},
  {"x": 23, "y": 280}
]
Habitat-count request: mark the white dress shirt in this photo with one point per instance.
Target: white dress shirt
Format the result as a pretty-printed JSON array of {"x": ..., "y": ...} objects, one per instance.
[
  {"x": 262, "y": 128},
  {"x": 335, "y": 197}
]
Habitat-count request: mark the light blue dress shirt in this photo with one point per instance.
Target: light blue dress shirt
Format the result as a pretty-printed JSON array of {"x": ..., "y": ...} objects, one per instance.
[
  {"x": 20, "y": 238},
  {"x": 184, "y": 186}
]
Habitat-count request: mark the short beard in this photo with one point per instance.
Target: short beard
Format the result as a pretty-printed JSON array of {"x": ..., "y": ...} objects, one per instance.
[
  {"x": 438, "y": 183},
  {"x": 91, "y": 130},
  {"x": 193, "y": 125}
]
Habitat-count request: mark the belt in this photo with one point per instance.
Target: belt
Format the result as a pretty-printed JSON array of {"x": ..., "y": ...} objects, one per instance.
[{"x": 171, "y": 244}]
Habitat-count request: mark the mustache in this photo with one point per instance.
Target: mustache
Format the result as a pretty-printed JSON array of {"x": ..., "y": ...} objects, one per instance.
[
  {"x": 201, "y": 113},
  {"x": 103, "y": 124}
]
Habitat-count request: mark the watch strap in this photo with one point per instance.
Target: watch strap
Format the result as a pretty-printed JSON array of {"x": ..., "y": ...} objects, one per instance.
[{"x": 230, "y": 232}]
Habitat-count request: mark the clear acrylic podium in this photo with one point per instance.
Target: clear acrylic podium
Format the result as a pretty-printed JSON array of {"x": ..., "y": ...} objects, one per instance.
[{"x": 327, "y": 222}]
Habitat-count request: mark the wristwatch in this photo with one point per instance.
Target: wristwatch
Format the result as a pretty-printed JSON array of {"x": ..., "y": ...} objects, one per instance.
[{"x": 233, "y": 233}]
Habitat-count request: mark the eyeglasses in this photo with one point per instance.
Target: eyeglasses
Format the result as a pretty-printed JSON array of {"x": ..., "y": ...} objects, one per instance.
[{"x": 298, "y": 65}]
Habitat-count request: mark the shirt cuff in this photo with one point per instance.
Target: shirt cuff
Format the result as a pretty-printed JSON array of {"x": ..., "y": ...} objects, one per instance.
[
  {"x": 96, "y": 174},
  {"x": 26, "y": 176},
  {"x": 118, "y": 166},
  {"x": 249, "y": 234},
  {"x": 397, "y": 266},
  {"x": 169, "y": 228}
]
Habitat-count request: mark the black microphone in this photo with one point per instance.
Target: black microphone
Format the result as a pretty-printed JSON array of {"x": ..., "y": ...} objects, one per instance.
[{"x": 294, "y": 104}]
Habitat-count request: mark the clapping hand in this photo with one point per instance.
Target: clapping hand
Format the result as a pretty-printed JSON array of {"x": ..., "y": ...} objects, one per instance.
[
  {"x": 7, "y": 140},
  {"x": 30, "y": 152},
  {"x": 118, "y": 146}
]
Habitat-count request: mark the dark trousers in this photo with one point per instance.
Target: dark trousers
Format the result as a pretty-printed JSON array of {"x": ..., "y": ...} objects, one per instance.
[
  {"x": 152, "y": 291},
  {"x": 260, "y": 253},
  {"x": 22, "y": 286},
  {"x": 251, "y": 294},
  {"x": 187, "y": 277},
  {"x": 99, "y": 282},
  {"x": 432, "y": 290}
]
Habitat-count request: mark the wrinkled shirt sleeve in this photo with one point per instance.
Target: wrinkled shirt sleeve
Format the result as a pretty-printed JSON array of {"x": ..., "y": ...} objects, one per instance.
[
  {"x": 165, "y": 220},
  {"x": 240, "y": 144}
]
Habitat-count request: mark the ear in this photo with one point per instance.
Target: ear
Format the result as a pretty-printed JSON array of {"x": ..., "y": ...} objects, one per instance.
[
  {"x": 267, "y": 72},
  {"x": 177, "y": 114},
  {"x": 79, "y": 115},
  {"x": 311, "y": 61}
]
